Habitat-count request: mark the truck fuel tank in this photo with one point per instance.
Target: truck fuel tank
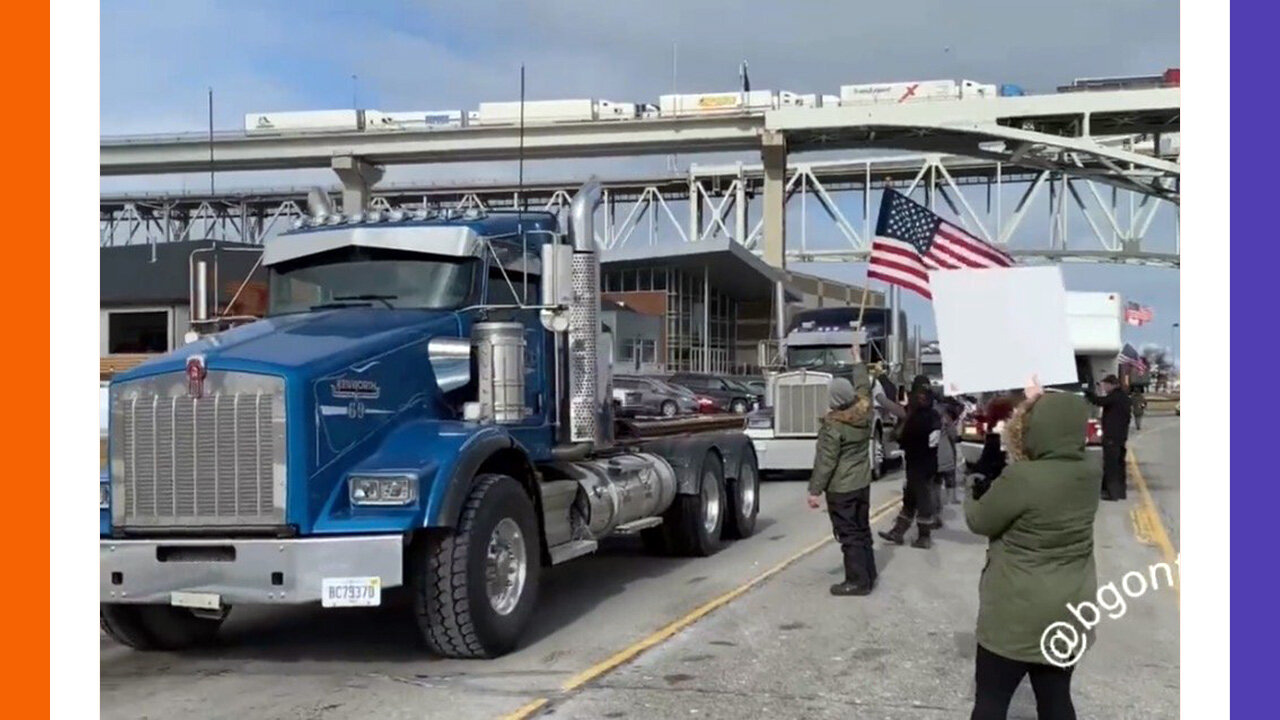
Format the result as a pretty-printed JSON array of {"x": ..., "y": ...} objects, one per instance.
[{"x": 621, "y": 488}]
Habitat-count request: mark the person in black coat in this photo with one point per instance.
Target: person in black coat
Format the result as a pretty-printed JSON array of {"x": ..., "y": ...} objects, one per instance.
[
  {"x": 919, "y": 437},
  {"x": 1117, "y": 413}
]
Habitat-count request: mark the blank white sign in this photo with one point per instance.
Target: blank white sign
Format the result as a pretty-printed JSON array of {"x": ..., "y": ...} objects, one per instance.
[{"x": 998, "y": 327}]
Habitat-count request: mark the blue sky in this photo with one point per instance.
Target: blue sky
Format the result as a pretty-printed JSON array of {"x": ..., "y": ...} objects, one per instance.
[{"x": 158, "y": 59}]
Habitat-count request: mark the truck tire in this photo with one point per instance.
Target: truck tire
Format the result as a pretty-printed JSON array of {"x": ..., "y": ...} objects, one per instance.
[
  {"x": 475, "y": 587},
  {"x": 875, "y": 453},
  {"x": 695, "y": 523},
  {"x": 157, "y": 627},
  {"x": 744, "y": 499}
]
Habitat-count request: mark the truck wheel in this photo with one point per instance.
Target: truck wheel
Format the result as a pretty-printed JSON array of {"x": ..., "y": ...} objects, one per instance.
[
  {"x": 669, "y": 408},
  {"x": 157, "y": 627},
  {"x": 474, "y": 588},
  {"x": 695, "y": 522},
  {"x": 875, "y": 454},
  {"x": 744, "y": 499}
]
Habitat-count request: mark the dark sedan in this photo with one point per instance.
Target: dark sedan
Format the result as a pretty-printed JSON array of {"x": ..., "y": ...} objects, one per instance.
[
  {"x": 726, "y": 394},
  {"x": 654, "y": 396}
]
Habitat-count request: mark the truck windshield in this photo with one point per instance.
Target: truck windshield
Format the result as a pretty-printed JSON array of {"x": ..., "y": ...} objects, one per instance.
[
  {"x": 375, "y": 280},
  {"x": 818, "y": 356}
]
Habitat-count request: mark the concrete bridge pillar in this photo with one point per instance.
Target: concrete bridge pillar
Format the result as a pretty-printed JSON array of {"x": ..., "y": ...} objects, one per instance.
[{"x": 358, "y": 178}]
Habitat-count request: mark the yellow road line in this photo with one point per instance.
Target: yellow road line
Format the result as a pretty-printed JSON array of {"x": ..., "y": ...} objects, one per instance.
[
  {"x": 1151, "y": 525},
  {"x": 664, "y": 633},
  {"x": 526, "y": 710},
  {"x": 671, "y": 629}
]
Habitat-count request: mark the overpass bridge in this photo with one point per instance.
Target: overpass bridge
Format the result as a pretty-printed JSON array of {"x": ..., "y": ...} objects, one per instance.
[{"x": 1086, "y": 148}]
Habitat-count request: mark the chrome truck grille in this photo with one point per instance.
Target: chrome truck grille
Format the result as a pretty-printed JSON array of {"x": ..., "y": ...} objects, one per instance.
[
  {"x": 183, "y": 462},
  {"x": 799, "y": 402}
]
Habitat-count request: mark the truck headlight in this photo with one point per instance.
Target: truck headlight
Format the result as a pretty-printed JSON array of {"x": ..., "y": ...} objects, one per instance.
[
  {"x": 382, "y": 489},
  {"x": 104, "y": 496}
]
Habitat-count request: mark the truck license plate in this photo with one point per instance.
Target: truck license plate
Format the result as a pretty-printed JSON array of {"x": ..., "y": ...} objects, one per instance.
[
  {"x": 351, "y": 592},
  {"x": 195, "y": 600}
]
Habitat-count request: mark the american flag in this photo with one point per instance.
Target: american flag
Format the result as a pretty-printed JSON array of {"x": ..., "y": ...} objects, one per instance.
[
  {"x": 1136, "y": 314},
  {"x": 1138, "y": 364},
  {"x": 910, "y": 241}
]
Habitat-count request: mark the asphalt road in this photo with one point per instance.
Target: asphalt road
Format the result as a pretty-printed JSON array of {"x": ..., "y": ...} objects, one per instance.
[
  {"x": 789, "y": 650},
  {"x": 782, "y": 649}
]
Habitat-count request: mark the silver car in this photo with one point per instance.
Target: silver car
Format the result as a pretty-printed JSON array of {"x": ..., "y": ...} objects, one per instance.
[{"x": 656, "y": 397}]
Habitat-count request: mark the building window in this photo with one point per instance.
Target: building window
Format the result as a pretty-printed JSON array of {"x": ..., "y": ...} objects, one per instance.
[
  {"x": 648, "y": 351},
  {"x": 137, "y": 331}
]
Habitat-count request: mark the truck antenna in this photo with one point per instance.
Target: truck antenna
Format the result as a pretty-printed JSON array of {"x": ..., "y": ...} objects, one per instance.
[
  {"x": 211, "y": 142},
  {"x": 524, "y": 249}
]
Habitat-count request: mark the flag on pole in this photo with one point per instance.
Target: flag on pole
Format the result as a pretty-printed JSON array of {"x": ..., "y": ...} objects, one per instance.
[
  {"x": 1136, "y": 314},
  {"x": 1138, "y": 364},
  {"x": 910, "y": 241}
]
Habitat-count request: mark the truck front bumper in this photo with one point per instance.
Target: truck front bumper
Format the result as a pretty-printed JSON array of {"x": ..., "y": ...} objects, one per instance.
[
  {"x": 774, "y": 453},
  {"x": 242, "y": 571}
]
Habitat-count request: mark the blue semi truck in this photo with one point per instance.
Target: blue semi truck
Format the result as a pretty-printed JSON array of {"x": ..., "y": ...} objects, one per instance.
[{"x": 426, "y": 407}]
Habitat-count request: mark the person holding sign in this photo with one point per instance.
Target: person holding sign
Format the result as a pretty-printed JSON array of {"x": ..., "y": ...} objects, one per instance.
[{"x": 1038, "y": 516}]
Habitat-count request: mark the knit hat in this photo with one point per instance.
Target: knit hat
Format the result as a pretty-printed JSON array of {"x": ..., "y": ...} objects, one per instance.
[{"x": 841, "y": 393}]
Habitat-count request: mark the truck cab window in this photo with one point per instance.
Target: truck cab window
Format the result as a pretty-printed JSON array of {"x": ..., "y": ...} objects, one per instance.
[
  {"x": 371, "y": 277},
  {"x": 499, "y": 291}
]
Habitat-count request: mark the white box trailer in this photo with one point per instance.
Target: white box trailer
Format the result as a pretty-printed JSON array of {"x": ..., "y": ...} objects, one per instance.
[
  {"x": 970, "y": 89},
  {"x": 715, "y": 103},
  {"x": 553, "y": 111},
  {"x": 1095, "y": 320},
  {"x": 413, "y": 120},
  {"x": 306, "y": 121},
  {"x": 790, "y": 99},
  {"x": 899, "y": 92}
]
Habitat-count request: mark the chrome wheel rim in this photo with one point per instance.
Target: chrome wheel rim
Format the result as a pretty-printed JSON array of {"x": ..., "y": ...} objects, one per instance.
[
  {"x": 747, "y": 485},
  {"x": 506, "y": 566},
  {"x": 668, "y": 408},
  {"x": 710, "y": 502}
]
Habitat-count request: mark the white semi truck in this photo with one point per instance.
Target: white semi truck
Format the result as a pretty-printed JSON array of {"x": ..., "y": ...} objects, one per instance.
[{"x": 817, "y": 349}]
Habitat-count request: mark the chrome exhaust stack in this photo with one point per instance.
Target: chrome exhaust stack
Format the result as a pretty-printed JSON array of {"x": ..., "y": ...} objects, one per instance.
[{"x": 590, "y": 416}]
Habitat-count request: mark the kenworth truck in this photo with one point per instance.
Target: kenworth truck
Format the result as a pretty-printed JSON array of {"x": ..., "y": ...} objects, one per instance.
[
  {"x": 818, "y": 348},
  {"x": 426, "y": 406}
]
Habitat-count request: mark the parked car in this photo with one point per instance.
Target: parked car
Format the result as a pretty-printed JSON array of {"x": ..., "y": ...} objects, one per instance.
[
  {"x": 626, "y": 402},
  {"x": 755, "y": 383},
  {"x": 655, "y": 396},
  {"x": 727, "y": 395}
]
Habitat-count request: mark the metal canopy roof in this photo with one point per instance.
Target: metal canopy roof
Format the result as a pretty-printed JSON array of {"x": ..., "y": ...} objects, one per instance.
[{"x": 731, "y": 268}]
